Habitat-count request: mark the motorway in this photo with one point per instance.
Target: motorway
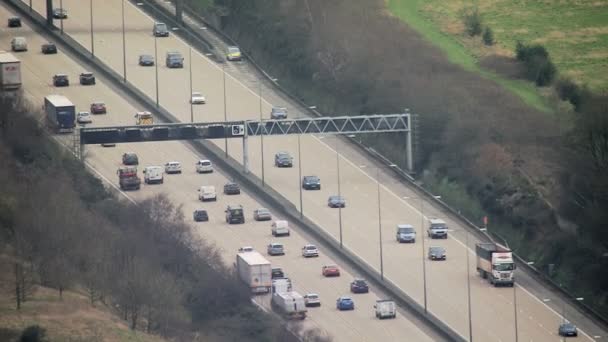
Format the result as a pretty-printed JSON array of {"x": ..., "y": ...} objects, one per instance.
[
  {"x": 359, "y": 324},
  {"x": 491, "y": 308}
]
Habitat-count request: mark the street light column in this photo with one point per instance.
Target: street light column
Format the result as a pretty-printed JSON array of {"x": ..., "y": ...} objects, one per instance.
[
  {"x": 380, "y": 224},
  {"x": 156, "y": 68},
  {"x": 92, "y": 39},
  {"x": 124, "y": 43},
  {"x": 190, "y": 67},
  {"x": 300, "y": 177},
  {"x": 515, "y": 309},
  {"x": 423, "y": 254},
  {"x": 466, "y": 250},
  {"x": 262, "y": 136},
  {"x": 225, "y": 115},
  {"x": 339, "y": 195}
]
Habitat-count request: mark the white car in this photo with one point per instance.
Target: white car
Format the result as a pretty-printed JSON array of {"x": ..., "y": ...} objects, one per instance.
[
  {"x": 246, "y": 249},
  {"x": 280, "y": 228},
  {"x": 207, "y": 193},
  {"x": 310, "y": 251},
  {"x": 84, "y": 118},
  {"x": 312, "y": 299},
  {"x": 197, "y": 98},
  {"x": 173, "y": 167},
  {"x": 19, "y": 44},
  {"x": 204, "y": 166}
]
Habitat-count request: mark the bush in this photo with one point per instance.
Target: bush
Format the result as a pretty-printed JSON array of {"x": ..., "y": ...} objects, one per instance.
[
  {"x": 569, "y": 91},
  {"x": 472, "y": 23},
  {"x": 488, "y": 36},
  {"x": 33, "y": 333},
  {"x": 539, "y": 67}
]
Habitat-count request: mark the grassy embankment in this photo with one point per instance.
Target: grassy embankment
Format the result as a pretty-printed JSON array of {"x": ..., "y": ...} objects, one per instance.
[{"x": 574, "y": 33}]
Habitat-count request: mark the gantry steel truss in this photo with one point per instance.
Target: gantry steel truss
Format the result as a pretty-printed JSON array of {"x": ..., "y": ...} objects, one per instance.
[{"x": 343, "y": 125}]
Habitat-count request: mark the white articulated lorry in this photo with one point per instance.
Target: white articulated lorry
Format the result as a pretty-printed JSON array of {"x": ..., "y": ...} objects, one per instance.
[
  {"x": 495, "y": 263},
  {"x": 255, "y": 271},
  {"x": 10, "y": 71},
  {"x": 286, "y": 301}
]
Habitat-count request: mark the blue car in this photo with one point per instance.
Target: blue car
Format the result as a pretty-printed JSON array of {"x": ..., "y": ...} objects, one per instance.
[{"x": 345, "y": 303}]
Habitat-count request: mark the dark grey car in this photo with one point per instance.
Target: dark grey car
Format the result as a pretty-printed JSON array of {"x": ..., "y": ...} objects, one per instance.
[
  {"x": 146, "y": 60},
  {"x": 311, "y": 183},
  {"x": 48, "y": 48},
  {"x": 437, "y": 253},
  {"x": 283, "y": 159},
  {"x": 232, "y": 189},
  {"x": 336, "y": 202},
  {"x": 174, "y": 60},
  {"x": 567, "y": 329}
]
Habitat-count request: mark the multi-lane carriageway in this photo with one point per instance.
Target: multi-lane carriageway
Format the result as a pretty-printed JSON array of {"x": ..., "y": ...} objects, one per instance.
[{"x": 492, "y": 308}]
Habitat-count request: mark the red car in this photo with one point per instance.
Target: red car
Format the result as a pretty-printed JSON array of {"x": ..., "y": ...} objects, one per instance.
[
  {"x": 330, "y": 271},
  {"x": 98, "y": 108}
]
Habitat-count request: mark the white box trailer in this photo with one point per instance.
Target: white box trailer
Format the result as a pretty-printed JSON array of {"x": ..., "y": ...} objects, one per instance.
[
  {"x": 255, "y": 271},
  {"x": 10, "y": 71}
]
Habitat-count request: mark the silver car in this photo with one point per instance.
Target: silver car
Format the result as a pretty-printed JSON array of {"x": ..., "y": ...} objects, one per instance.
[{"x": 275, "y": 248}]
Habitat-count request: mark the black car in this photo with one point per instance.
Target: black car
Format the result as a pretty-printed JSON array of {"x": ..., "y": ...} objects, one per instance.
[
  {"x": 60, "y": 13},
  {"x": 14, "y": 22},
  {"x": 200, "y": 215},
  {"x": 61, "y": 80},
  {"x": 235, "y": 214},
  {"x": 567, "y": 329},
  {"x": 276, "y": 273},
  {"x": 87, "y": 78},
  {"x": 311, "y": 183},
  {"x": 146, "y": 60},
  {"x": 130, "y": 158},
  {"x": 174, "y": 60},
  {"x": 232, "y": 189},
  {"x": 359, "y": 286},
  {"x": 283, "y": 159},
  {"x": 48, "y": 48}
]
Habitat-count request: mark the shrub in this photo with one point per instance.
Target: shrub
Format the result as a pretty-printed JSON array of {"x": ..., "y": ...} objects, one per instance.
[
  {"x": 568, "y": 90},
  {"x": 472, "y": 23},
  {"x": 33, "y": 333},
  {"x": 488, "y": 36},
  {"x": 539, "y": 67}
]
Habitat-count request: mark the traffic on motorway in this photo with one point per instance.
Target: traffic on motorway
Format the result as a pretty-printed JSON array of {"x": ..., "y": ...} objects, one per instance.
[
  {"x": 493, "y": 263},
  {"x": 166, "y": 171}
]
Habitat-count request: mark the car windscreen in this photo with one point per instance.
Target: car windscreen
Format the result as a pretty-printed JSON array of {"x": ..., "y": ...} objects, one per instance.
[
  {"x": 161, "y": 27},
  {"x": 438, "y": 226}
]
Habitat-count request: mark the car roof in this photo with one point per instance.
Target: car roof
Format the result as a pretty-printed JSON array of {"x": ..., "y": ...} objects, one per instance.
[
  {"x": 330, "y": 265},
  {"x": 61, "y": 75},
  {"x": 436, "y": 220}
]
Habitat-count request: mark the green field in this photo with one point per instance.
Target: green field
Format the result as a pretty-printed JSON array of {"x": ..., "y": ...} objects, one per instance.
[{"x": 575, "y": 32}]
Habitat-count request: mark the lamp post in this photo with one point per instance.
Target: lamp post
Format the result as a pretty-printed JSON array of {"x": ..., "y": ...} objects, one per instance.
[
  {"x": 61, "y": 18},
  {"x": 124, "y": 46},
  {"x": 466, "y": 250},
  {"x": 263, "y": 130},
  {"x": 300, "y": 177},
  {"x": 190, "y": 69},
  {"x": 156, "y": 68},
  {"x": 92, "y": 39},
  {"x": 225, "y": 115},
  {"x": 424, "y": 290},
  {"x": 339, "y": 195}
]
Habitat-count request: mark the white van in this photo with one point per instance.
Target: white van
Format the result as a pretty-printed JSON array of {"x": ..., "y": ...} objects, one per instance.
[
  {"x": 207, "y": 193},
  {"x": 385, "y": 309},
  {"x": 204, "y": 166},
  {"x": 173, "y": 167},
  {"x": 280, "y": 228},
  {"x": 19, "y": 44},
  {"x": 153, "y": 174}
]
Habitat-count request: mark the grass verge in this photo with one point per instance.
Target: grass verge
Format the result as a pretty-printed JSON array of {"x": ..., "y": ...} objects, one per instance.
[{"x": 410, "y": 11}]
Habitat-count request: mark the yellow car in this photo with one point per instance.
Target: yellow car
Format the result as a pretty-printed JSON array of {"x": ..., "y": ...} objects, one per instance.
[{"x": 234, "y": 54}]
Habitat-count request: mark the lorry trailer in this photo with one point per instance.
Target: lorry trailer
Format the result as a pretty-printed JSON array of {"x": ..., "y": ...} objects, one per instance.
[
  {"x": 495, "y": 263},
  {"x": 10, "y": 71},
  {"x": 60, "y": 113},
  {"x": 255, "y": 271}
]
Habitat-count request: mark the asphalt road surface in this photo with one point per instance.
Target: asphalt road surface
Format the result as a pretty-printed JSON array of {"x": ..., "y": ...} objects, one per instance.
[{"x": 492, "y": 310}]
